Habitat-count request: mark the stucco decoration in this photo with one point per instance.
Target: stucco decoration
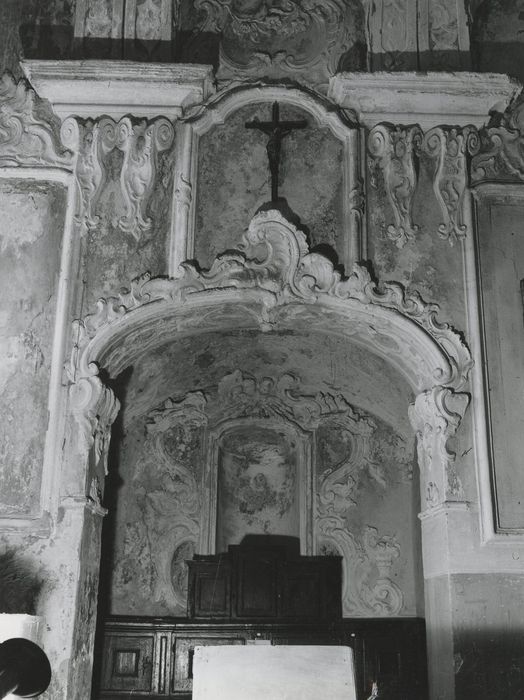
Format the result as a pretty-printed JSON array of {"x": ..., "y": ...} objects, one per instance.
[
  {"x": 174, "y": 512},
  {"x": 339, "y": 484},
  {"x": 28, "y": 131},
  {"x": 94, "y": 408},
  {"x": 90, "y": 141},
  {"x": 362, "y": 594},
  {"x": 435, "y": 416},
  {"x": 391, "y": 31},
  {"x": 319, "y": 111},
  {"x": 395, "y": 150},
  {"x": 99, "y": 19},
  {"x": 337, "y": 492},
  {"x": 259, "y": 434},
  {"x": 443, "y": 30},
  {"x": 259, "y": 471},
  {"x": 501, "y": 155},
  {"x": 273, "y": 280},
  {"x": 140, "y": 141},
  {"x": 146, "y": 20},
  {"x": 241, "y": 394},
  {"x": 451, "y": 148},
  {"x": 292, "y": 37}
]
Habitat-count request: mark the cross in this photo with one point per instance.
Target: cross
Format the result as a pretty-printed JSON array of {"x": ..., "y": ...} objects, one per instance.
[{"x": 276, "y": 130}]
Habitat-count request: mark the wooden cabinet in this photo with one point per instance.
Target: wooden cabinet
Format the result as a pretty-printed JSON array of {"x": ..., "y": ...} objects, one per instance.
[
  {"x": 152, "y": 657},
  {"x": 265, "y": 583},
  {"x": 263, "y": 594}
]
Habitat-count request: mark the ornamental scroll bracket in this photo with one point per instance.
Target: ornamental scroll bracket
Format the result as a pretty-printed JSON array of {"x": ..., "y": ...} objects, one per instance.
[
  {"x": 436, "y": 415},
  {"x": 395, "y": 151},
  {"x": 141, "y": 141},
  {"x": 501, "y": 153},
  {"x": 360, "y": 595},
  {"x": 94, "y": 408},
  {"x": 28, "y": 130},
  {"x": 451, "y": 148},
  {"x": 90, "y": 140}
]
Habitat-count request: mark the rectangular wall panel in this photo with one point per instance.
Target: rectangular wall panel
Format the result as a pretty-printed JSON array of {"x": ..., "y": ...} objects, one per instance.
[
  {"x": 501, "y": 274},
  {"x": 31, "y": 232}
]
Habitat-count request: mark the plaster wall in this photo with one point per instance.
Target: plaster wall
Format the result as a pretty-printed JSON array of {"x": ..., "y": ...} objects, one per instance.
[
  {"x": 486, "y": 643},
  {"x": 113, "y": 255},
  {"x": 502, "y": 271},
  {"x": 160, "y": 491},
  {"x": 31, "y": 232},
  {"x": 110, "y": 259}
]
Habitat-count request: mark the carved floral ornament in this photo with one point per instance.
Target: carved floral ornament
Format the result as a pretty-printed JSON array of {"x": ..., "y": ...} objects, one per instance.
[{"x": 141, "y": 141}]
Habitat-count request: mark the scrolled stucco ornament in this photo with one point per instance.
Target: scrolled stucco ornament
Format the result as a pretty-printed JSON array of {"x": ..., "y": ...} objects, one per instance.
[
  {"x": 436, "y": 415},
  {"x": 177, "y": 507},
  {"x": 94, "y": 408},
  {"x": 141, "y": 142},
  {"x": 274, "y": 271},
  {"x": 28, "y": 130},
  {"x": 302, "y": 38},
  {"x": 395, "y": 150},
  {"x": 451, "y": 148},
  {"x": 363, "y": 593},
  {"x": 90, "y": 141}
]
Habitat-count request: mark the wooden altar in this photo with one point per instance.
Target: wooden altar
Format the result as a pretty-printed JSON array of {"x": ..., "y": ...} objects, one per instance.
[{"x": 268, "y": 594}]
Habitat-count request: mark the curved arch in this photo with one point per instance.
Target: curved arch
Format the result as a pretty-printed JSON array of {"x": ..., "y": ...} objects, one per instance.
[
  {"x": 219, "y": 107},
  {"x": 289, "y": 288},
  {"x": 273, "y": 282}
]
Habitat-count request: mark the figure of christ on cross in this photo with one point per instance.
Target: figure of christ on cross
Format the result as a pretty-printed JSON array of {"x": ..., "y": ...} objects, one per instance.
[{"x": 276, "y": 130}]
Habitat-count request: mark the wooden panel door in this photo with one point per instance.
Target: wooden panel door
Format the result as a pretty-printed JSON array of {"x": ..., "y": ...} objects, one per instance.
[{"x": 128, "y": 663}]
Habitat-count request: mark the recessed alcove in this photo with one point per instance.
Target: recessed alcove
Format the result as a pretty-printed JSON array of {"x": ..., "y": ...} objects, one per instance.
[{"x": 292, "y": 432}]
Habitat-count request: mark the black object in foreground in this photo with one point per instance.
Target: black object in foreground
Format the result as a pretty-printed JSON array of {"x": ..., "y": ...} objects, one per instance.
[{"x": 24, "y": 668}]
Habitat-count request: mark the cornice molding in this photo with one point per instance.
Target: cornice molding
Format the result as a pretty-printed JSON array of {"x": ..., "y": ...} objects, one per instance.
[
  {"x": 428, "y": 99},
  {"x": 118, "y": 88}
]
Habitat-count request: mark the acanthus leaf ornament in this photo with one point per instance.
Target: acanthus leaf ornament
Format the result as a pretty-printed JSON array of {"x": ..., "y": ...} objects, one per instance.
[
  {"x": 28, "y": 132},
  {"x": 395, "y": 149},
  {"x": 451, "y": 148}
]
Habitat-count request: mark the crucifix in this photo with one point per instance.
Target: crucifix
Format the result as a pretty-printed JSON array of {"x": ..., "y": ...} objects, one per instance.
[{"x": 276, "y": 130}]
